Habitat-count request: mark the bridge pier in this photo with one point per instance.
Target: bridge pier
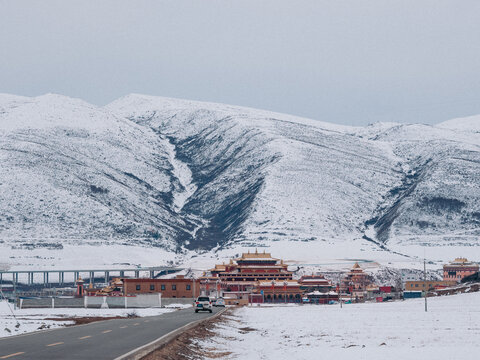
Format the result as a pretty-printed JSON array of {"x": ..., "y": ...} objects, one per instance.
[{"x": 152, "y": 271}]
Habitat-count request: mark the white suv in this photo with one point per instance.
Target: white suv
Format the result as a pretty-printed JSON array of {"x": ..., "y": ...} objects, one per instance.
[{"x": 203, "y": 303}]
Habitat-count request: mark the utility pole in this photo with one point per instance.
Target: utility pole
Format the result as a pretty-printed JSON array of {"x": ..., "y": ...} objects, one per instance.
[
  {"x": 273, "y": 291},
  {"x": 193, "y": 283},
  {"x": 15, "y": 290},
  {"x": 340, "y": 295},
  {"x": 425, "y": 281}
]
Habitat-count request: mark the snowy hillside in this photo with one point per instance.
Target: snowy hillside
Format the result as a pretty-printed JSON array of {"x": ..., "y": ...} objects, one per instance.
[
  {"x": 178, "y": 174},
  {"x": 74, "y": 173},
  {"x": 468, "y": 124}
]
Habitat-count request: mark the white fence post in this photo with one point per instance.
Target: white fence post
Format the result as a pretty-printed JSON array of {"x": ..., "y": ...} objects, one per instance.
[{"x": 104, "y": 304}]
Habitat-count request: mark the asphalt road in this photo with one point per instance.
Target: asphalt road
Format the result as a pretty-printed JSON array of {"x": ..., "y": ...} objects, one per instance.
[{"x": 99, "y": 340}]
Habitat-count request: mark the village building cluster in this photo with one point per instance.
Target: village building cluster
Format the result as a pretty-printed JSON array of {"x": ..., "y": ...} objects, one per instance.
[
  {"x": 453, "y": 273},
  {"x": 257, "y": 277}
]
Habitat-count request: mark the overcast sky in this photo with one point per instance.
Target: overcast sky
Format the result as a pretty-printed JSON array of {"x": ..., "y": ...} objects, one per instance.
[{"x": 351, "y": 62}]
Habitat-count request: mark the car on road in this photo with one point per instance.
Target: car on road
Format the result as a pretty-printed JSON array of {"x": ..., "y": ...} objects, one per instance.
[
  {"x": 203, "y": 303},
  {"x": 219, "y": 302}
]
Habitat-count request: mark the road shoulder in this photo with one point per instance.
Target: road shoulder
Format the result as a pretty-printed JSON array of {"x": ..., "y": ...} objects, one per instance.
[{"x": 167, "y": 342}]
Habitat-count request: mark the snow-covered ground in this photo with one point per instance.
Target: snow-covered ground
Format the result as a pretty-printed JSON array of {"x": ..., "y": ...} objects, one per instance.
[
  {"x": 396, "y": 330},
  {"x": 34, "y": 319}
]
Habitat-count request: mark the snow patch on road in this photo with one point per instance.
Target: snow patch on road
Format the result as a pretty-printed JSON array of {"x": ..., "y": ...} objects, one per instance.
[{"x": 29, "y": 320}]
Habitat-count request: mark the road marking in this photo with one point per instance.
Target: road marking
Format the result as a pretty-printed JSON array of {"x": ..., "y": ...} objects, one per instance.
[
  {"x": 136, "y": 324},
  {"x": 147, "y": 321},
  {"x": 85, "y": 337},
  {"x": 123, "y": 327},
  {"x": 106, "y": 331},
  {"x": 55, "y": 344},
  {"x": 12, "y": 355}
]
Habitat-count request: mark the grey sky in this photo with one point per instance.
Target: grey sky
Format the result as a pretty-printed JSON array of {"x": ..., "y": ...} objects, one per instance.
[{"x": 350, "y": 62}]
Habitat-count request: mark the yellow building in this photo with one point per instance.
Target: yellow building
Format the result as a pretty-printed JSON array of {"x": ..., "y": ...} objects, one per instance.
[{"x": 420, "y": 285}]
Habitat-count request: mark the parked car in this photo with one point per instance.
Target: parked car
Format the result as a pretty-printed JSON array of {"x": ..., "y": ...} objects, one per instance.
[
  {"x": 203, "y": 303},
  {"x": 219, "y": 302}
]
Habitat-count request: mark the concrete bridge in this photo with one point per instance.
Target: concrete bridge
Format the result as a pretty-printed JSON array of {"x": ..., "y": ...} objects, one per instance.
[{"x": 49, "y": 276}]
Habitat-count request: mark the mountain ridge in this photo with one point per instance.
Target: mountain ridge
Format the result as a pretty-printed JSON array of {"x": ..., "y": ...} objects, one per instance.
[{"x": 192, "y": 176}]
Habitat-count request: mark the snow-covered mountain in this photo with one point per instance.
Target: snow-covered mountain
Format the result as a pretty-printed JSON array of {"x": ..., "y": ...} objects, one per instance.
[{"x": 176, "y": 174}]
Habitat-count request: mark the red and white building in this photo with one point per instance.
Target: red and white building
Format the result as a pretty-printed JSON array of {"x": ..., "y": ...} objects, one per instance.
[
  {"x": 317, "y": 282},
  {"x": 355, "y": 283},
  {"x": 458, "y": 269},
  {"x": 239, "y": 281}
]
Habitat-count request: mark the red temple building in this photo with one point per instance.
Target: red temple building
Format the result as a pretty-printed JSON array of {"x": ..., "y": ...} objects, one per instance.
[
  {"x": 238, "y": 279},
  {"x": 458, "y": 269},
  {"x": 309, "y": 283},
  {"x": 318, "y": 297},
  {"x": 355, "y": 283},
  {"x": 277, "y": 291}
]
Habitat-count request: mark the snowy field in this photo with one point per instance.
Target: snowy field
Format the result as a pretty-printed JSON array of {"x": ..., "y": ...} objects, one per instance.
[
  {"x": 34, "y": 319},
  {"x": 395, "y": 330}
]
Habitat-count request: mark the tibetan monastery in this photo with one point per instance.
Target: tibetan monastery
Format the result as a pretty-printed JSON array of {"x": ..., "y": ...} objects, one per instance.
[
  {"x": 252, "y": 267},
  {"x": 355, "y": 282},
  {"x": 458, "y": 269},
  {"x": 309, "y": 283},
  {"x": 241, "y": 276}
]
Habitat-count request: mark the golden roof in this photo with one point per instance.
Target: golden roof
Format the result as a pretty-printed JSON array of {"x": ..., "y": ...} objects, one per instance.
[
  {"x": 356, "y": 266},
  {"x": 461, "y": 261},
  {"x": 220, "y": 267},
  {"x": 256, "y": 255}
]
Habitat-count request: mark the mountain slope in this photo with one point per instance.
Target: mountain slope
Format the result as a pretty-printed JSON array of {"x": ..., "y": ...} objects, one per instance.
[
  {"x": 437, "y": 202},
  {"x": 266, "y": 176},
  {"x": 180, "y": 174},
  {"x": 76, "y": 173}
]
